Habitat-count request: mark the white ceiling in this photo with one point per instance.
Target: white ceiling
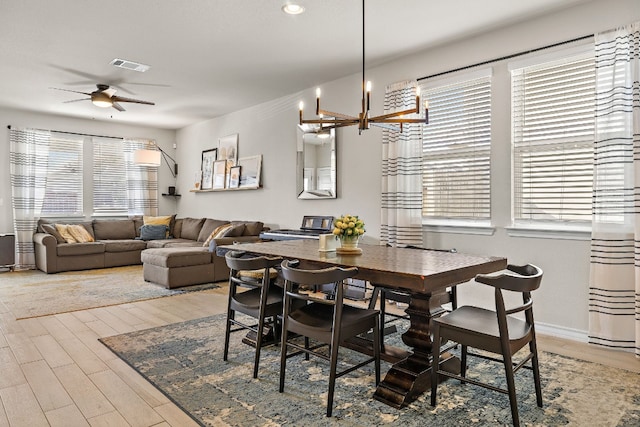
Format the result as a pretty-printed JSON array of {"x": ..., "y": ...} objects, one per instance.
[{"x": 211, "y": 57}]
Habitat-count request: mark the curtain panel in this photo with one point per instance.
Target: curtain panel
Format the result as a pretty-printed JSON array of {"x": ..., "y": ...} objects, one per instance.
[
  {"x": 401, "y": 217},
  {"x": 614, "y": 288},
  {"x": 28, "y": 161},
  {"x": 142, "y": 181}
]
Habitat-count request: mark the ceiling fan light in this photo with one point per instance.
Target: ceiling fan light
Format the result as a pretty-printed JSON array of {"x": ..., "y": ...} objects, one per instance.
[{"x": 101, "y": 103}]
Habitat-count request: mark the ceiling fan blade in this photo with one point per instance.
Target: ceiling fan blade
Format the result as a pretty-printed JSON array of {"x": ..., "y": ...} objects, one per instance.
[
  {"x": 76, "y": 100},
  {"x": 137, "y": 101},
  {"x": 69, "y": 90},
  {"x": 117, "y": 106}
]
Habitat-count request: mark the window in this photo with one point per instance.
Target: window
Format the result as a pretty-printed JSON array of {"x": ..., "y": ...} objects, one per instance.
[
  {"x": 457, "y": 149},
  {"x": 64, "y": 187},
  {"x": 552, "y": 136}
]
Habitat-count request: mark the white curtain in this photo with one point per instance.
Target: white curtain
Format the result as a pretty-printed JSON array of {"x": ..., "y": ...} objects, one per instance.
[
  {"x": 614, "y": 288},
  {"x": 142, "y": 181},
  {"x": 401, "y": 222},
  {"x": 28, "y": 158}
]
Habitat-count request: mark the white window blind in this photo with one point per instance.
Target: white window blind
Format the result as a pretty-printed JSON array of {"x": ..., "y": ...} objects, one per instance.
[
  {"x": 552, "y": 136},
  {"x": 109, "y": 177},
  {"x": 63, "y": 190},
  {"x": 457, "y": 151}
]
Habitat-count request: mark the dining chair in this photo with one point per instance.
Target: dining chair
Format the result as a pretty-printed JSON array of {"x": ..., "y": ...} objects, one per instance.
[
  {"x": 496, "y": 332},
  {"x": 250, "y": 293},
  {"x": 325, "y": 321},
  {"x": 385, "y": 294}
]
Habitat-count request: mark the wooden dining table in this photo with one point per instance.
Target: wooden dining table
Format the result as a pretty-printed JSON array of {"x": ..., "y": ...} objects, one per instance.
[{"x": 424, "y": 274}]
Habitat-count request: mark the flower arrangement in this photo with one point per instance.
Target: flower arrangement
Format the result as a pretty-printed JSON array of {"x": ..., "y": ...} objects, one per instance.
[{"x": 348, "y": 227}]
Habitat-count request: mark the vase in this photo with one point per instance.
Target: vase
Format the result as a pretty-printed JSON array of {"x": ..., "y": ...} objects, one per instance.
[{"x": 349, "y": 243}]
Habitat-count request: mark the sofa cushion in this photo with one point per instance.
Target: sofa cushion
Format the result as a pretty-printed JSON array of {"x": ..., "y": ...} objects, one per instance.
[
  {"x": 114, "y": 229},
  {"x": 153, "y": 232},
  {"x": 138, "y": 222},
  {"x": 126, "y": 245},
  {"x": 70, "y": 249},
  {"x": 208, "y": 227},
  {"x": 51, "y": 229},
  {"x": 235, "y": 231},
  {"x": 177, "y": 228},
  {"x": 252, "y": 228},
  {"x": 191, "y": 228}
]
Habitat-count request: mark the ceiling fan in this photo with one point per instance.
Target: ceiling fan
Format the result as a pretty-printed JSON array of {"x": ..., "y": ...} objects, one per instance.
[{"x": 105, "y": 97}]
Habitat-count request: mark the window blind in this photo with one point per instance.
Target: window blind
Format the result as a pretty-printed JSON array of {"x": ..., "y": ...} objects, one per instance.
[
  {"x": 64, "y": 189},
  {"x": 552, "y": 136},
  {"x": 109, "y": 177},
  {"x": 457, "y": 150}
]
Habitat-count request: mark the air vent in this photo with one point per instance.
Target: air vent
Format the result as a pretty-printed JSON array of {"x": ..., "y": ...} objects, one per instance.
[{"x": 129, "y": 65}]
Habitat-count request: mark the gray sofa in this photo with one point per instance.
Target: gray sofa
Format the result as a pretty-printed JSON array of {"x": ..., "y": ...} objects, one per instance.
[{"x": 118, "y": 243}]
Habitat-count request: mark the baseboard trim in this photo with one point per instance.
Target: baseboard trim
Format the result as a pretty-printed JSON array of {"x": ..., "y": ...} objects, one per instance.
[{"x": 561, "y": 332}]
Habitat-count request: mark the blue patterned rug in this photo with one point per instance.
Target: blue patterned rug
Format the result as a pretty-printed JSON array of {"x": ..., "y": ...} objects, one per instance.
[{"x": 184, "y": 361}]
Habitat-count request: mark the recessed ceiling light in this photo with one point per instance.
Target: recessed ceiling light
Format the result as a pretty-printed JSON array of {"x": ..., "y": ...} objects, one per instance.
[{"x": 292, "y": 9}]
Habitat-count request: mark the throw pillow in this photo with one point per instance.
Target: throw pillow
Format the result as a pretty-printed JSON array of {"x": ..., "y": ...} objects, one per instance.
[
  {"x": 153, "y": 232},
  {"x": 63, "y": 229},
  {"x": 79, "y": 233},
  {"x": 217, "y": 233},
  {"x": 51, "y": 229},
  {"x": 235, "y": 231},
  {"x": 158, "y": 220}
]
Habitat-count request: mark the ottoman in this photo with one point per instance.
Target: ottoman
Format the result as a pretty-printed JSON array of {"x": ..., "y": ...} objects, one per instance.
[{"x": 176, "y": 267}]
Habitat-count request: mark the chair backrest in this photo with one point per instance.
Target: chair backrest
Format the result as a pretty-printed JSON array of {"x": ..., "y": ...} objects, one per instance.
[
  {"x": 240, "y": 261},
  {"x": 294, "y": 276},
  {"x": 527, "y": 278}
]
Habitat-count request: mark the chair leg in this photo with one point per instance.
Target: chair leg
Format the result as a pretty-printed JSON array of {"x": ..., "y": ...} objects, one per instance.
[
  {"x": 463, "y": 362},
  {"x": 536, "y": 370},
  {"x": 283, "y": 352},
  {"x": 381, "y": 321},
  {"x": 435, "y": 362},
  {"x": 377, "y": 345},
  {"x": 306, "y": 346},
  {"x": 332, "y": 374},
  {"x": 511, "y": 387},
  {"x": 256, "y": 360},
  {"x": 227, "y": 334}
]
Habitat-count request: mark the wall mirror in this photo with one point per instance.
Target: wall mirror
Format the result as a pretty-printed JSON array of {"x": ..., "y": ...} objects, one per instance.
[{"x": 316, "y": 163}]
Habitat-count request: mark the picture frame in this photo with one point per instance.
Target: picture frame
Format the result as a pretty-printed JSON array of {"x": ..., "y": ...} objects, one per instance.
[
  {"x": 228, "y": 148},
  {"x": 234, "y": 176},
  {"x": 250, "y": 173},
  {"x": 206, "y": 166},
  {"x": 219, "y": 174}
]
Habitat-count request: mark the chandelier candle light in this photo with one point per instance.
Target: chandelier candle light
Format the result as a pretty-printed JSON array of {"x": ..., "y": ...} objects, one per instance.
[{"x": 392, "y": 121}]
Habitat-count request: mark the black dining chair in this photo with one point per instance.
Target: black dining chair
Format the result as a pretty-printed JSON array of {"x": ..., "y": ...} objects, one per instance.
[
  {"x": 251, "y": 293},
  {"x": 495, "y": 332},
  {"x": 325, "y": 321}
]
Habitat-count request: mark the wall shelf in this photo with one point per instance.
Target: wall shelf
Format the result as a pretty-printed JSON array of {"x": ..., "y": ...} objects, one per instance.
[
  {"x": 214, "y": 190},
  {"x": 171, "y": 195}
]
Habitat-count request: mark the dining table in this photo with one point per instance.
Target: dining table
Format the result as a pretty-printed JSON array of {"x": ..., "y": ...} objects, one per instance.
[{"x": 425, "y": 275}]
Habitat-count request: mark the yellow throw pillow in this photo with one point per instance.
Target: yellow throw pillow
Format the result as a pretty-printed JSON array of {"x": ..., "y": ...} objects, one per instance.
[
  {"x": 79, "y": 233},
  {"x": 217, "y": 233},
  {"x": 63, "y": 229},
  {"x": 158, "y": 220}
]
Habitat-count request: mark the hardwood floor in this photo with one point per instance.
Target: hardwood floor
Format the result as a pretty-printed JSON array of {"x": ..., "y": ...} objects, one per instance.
[{"x": 54, "y": 372}]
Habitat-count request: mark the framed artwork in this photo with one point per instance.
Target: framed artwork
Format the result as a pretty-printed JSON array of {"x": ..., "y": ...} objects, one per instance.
[
  {"x": 250, "y": 173},
  {"x": 208, "y": 158},
  {"x": 234, "y": 176},
  {"x": 228, "y": 148},
  {"x": 219, "y": 173}
]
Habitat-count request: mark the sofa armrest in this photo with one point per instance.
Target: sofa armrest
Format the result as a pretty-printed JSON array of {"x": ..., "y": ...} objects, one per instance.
[{"x": 46, "y": 253}]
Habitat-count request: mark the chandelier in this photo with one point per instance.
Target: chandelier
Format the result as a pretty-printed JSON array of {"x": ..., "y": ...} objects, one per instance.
[{"x": 392, "y": 121}]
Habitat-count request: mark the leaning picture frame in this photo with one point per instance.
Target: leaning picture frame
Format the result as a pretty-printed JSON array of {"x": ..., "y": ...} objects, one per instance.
[
  {"x": 228, "y": 147},
  {"x": 219, "y": 174},
  {"x": 234, "y": 176},
  {"x": 208, "y": 158},
  {"x": 250, "y": 173}
]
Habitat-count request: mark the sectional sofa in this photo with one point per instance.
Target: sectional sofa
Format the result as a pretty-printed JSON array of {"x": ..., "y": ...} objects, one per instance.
[{"x": 118, "y": 242}]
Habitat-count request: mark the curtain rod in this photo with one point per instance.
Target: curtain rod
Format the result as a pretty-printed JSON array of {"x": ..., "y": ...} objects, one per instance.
[
  {"x": 507, "y": 57},
  {"x": 75, "y": 133}
]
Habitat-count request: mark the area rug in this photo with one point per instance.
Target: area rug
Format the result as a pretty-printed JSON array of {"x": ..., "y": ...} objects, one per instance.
[
  {"x": 33, "y": 293},
  {"x": 184, "y": 361}
]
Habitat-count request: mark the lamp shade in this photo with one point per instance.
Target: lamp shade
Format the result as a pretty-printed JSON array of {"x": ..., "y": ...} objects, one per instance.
[{"x": 147, "y": 158}]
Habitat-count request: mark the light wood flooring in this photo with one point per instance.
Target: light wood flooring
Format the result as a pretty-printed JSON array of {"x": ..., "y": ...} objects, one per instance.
[{"x": 54, "y": 372}]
